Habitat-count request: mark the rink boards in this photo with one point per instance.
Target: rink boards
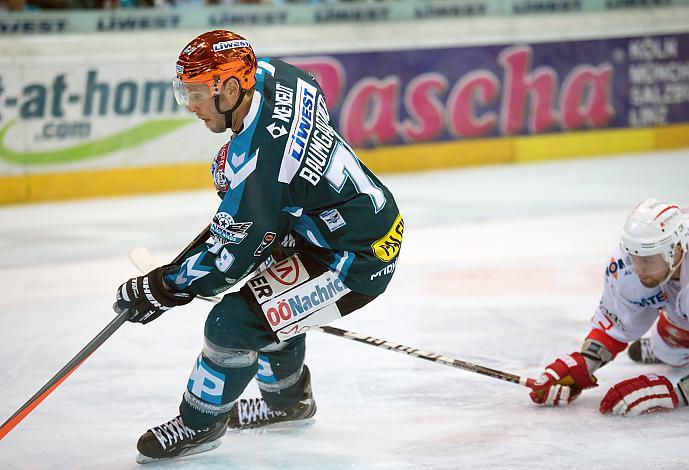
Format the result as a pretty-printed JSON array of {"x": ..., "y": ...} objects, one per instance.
[{"x": 82, "y": 119}]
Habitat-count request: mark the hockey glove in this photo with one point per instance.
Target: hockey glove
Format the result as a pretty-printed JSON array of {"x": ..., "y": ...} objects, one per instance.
[
  {"x": 646, "y": 393},
  {"x": 147, "y": 297},
  {"x": 562, "y": 381}
]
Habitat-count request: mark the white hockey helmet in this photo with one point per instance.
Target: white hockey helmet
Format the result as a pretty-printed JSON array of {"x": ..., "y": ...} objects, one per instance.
[{"x": 655, "y": 227}]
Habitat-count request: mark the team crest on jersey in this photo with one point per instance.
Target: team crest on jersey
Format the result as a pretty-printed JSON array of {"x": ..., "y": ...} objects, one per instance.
[
  {"x": 225, "y": 230},
  {"x": 218, "y": 170}
]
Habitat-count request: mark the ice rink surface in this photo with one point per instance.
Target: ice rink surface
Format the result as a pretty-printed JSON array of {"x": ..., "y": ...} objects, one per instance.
[{"x": 501, "y": 266}]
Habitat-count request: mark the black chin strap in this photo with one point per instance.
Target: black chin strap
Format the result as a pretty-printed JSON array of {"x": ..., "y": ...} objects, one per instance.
[{"x": 228, "y": 114}]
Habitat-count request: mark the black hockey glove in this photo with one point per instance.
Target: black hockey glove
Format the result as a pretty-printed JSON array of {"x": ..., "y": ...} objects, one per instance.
[{"x": 146, "y": 297}]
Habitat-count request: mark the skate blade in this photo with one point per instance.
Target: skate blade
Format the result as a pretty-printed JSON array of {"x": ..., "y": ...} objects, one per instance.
[
  {"x": 275, "y": 427},
  {"x": 205, "y": 447}
]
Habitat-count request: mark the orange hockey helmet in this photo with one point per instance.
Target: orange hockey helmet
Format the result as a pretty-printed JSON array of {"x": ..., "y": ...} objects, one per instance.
[{"x": 208, "y": 61}]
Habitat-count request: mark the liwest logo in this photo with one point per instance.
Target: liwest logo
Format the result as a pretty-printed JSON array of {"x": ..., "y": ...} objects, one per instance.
[
  {"x": 299, "y": 134},
  {"x": 225, "y": 45},
  {"x": 656, "y": 299}
]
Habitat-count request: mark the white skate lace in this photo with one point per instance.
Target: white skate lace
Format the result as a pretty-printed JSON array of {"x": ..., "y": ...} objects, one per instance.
[
  {"x": 172, "y": 431},
  {"x": 255, "y": 409}
]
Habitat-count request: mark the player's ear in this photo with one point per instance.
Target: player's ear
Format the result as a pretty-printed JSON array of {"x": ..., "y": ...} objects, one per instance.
[{"x": 231, "y": 89}]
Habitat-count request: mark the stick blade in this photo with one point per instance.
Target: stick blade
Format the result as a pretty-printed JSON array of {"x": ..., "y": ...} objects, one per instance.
[{"x": 142, "y": 259}]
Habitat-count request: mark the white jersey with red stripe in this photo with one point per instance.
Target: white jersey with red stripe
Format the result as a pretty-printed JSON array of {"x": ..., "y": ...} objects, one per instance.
[{"x": 628, "y": 309}]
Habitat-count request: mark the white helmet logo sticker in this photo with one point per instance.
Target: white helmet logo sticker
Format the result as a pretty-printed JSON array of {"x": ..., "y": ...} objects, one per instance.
[{"x": 224, "y": 45}]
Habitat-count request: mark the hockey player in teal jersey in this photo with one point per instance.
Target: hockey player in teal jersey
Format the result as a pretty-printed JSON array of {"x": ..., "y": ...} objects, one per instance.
[{"x": 316, "y": 231}]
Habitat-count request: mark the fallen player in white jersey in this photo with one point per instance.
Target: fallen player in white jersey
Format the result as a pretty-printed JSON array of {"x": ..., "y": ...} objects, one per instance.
[{"x": 646, "y": 288}]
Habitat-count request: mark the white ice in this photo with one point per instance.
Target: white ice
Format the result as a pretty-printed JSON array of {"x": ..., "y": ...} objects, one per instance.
[{"x": 501, "y": 266}]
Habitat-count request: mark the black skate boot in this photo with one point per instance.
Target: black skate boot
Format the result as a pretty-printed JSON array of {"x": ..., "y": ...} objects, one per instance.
[
  {"x": 641, "y": 351},
  {"x": 174, "y": 439},
  {"x": 255, "y": 412}
]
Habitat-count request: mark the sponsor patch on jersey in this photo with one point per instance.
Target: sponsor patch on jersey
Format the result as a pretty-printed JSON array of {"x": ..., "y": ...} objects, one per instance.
[
  {"x": 652, "y": 300},
  {"x": 386, "y": 271},
  {"x": 333, "y": 219},
  {"x": 268, "y": 238},
  {"x": 276, "y": 130},
  {"x": 282, "y": 110},
  {"x": 277, "y": 279},
  {"x": 225, "y": 230},
  {"x": 288, "y": 272},
  {"x": 612, "y": 319},
  {"x": 218, "y": 170},
  {"x": 301, "y": 301},
  {"x": 615, "y": 266},
  {"x": 300, "y": 132},
  {"x": 387, "y": 247}
]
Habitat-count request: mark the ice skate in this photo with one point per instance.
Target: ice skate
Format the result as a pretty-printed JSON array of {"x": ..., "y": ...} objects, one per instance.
[
  {"x": 255, "y": 412},
  {"x": 175, "y": 439},
  {"x": 642, "y": 351}
]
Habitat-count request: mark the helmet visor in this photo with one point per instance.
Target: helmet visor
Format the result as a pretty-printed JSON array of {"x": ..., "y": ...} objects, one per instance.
[
  {"x": 187, "y": 94},
  {"x": 653, "y": 265}
]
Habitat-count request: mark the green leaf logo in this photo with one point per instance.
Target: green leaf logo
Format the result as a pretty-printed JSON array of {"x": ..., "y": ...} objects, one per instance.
[{"x": 132, "y": 137}]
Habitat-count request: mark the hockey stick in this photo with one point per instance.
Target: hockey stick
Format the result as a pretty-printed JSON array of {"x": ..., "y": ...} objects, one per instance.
[
  {"x": 81, "y": 356},
  {"x": 62, "y": 375},
  {"x": 142, "y": 259},
  {"x": 433, "y": 357}
]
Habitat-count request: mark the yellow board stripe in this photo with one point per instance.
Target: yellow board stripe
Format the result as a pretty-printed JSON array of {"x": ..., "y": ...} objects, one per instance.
[
  {"x": 404, "y": 158},
  {"x": 115, "y": 182},
  {"x": 438, "y": 155},
  {"x": 578, "y": 144}
]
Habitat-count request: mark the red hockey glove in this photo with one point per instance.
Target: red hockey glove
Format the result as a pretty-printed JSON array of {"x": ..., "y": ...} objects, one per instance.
[
  {"x": 646, "y": 393},
  {"x": 562, "y": 381}
]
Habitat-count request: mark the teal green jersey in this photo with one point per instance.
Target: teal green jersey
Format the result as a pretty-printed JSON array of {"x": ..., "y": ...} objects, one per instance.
[{"x": 289, "y": 173}]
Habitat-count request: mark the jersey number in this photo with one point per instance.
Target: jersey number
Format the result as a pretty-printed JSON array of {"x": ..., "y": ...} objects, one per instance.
[{"x": 344, "y": 165}]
